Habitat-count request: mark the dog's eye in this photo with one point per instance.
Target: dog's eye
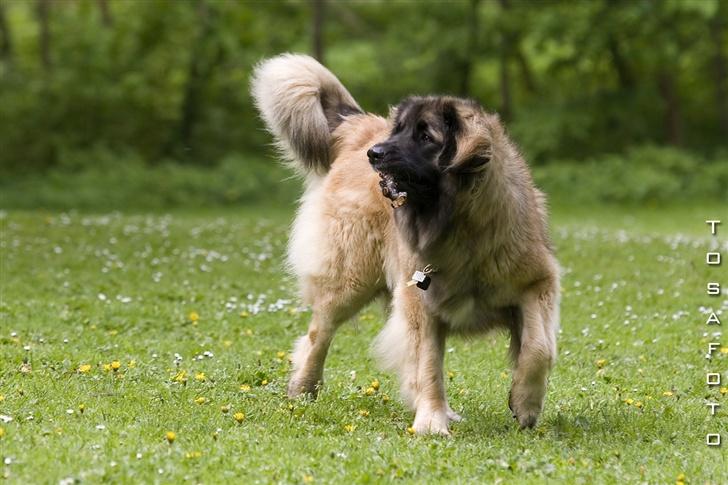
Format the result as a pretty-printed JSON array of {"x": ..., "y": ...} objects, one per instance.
[{"x": 425, "y": 138}]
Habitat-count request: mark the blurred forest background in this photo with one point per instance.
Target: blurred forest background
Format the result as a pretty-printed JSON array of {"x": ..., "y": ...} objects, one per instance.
[{"x": 145, "y": 104}]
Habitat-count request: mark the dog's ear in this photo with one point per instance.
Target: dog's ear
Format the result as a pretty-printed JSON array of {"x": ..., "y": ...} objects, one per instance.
[{"x": 473, "y": 152}]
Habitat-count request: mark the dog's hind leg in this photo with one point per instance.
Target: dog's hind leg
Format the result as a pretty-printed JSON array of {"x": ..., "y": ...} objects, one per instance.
[
  {"x": 533, "y": 348},
  {"x": 331, "y": 308}
]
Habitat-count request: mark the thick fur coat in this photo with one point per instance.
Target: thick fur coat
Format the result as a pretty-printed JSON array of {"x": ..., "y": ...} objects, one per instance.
[{"x": 472, "y": 214}]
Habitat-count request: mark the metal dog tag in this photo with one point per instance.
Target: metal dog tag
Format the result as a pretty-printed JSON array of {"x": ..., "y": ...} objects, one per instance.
[{"x": 422, "y": 280}]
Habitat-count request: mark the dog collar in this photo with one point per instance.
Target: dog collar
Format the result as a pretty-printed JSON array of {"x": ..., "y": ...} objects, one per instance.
[{"x": 422, "y": 278}]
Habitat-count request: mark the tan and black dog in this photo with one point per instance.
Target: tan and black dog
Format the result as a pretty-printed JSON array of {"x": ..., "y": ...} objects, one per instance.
[{"x": 433, "y": 206}]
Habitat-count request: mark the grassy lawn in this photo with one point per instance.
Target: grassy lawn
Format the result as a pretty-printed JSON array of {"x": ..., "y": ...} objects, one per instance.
[{"x": 196, "y": 310}]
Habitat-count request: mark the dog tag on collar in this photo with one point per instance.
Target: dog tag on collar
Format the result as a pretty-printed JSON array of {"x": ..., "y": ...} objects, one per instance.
[{"x": 421, "y": 279}]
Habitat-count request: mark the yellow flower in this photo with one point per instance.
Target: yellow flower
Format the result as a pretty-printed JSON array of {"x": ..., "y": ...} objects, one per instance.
[
  {"x": 724, "y": 350},
  {"x": 200, "y": 400},
  {"x": 248, "y": 332},
  {"x": 370, "y": 391},
  {"x": 375, "y": 384},
  {"x": 180, "y": 377},
  {"x": 638, "y": 404},
  {"x": 280, "y": 354},
  {"x": 115, "y": 365},
  {"x": 2, "y": 432},
  {"x": 244, "y": 314},
  {"x": 667, "y": 393},
  {"x": 601, "y": 363},
  {"x": 225, "y": 408},
  {"x": 81, "y": 408},
  {"x": 170, "y": 436},
  {"x": 629, "y": 401},
  {"x": 131, "y": 364},
  {"x": 680, "y": 479},
  {"x": 107, "y": 367},
  {"x": 193, "y": 316},
  {"x": 200, "y": 376},
  {"x": 504, "y": 375},
  {"x": 193, "y": 454},
  {"x": 410, "y": 430},
  {"x": 2, "y": 398},
  {"x": 84, "y": 368},
  {"x": 307, "y": 479},
  {"x": 450, "y": 374},
  {"x": 264, "y": 382},
  {"x": 245, "y": 387},
  {"x": 724, "y": 390},
  {"x": 385, "y": 398},
  {"x": 349, "y": 428},
  {"x": 363, "y": 413},
  {"x": 239, "y": 417}
]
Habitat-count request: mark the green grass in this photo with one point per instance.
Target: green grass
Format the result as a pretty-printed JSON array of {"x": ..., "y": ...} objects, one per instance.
[{"x": 92, "y": 289}]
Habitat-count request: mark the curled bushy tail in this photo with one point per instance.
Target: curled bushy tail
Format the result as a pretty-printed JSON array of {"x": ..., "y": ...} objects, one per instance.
[{"x": 301, "y": 103}]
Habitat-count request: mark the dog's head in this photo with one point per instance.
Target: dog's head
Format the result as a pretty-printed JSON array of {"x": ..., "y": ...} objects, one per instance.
[{"x": 435, "y": 142}]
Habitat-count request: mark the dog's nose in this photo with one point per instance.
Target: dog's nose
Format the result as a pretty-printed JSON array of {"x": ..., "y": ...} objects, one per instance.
[{"x": 376, "y": 153}]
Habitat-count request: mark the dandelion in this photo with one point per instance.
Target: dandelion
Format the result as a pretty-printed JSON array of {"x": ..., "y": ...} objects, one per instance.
[
  {"x": 2, "y": 431},
  {"x": 601, "y": 363},
  {"x": 225, "y": 408},
  {"x": 244, "y": 314},
  {"x": 363, "y": 413},
  {"x": 193, "y": 454},
  {"x": 450, "y": 375},
  {"x": 170, "y": 436},
  {"x": 193, "y": 317},
  {"x": 370, "y": 391},
  {"x": 375, "y": 384},
  {"x": 638, "y": 404},
  {"x": 667, "y": 393},
  {"x": 131, "y": 364},
  {"x": 724, "y": 390},
  {"x": 81, "y": 408},
  {"x": 264, "y": 382},
  {"x": 200, "y": 377},
  {"x": 239, "y": 417},
  {"x": 680, "y": 479},
  {"x": 84, "y": 368},
  {"x": 280, "y": 354},
  {"x": 504, "y": 375},
  {"x": 115, "y": 365},
  {"x": 629, "y": 401},
  {"x": 724, "y": 350},
  {"x": 385, "y": 398},
  {"x": 410, "y": 430},
  {"x": 107, "y": 367},
  {"x": 245, "y": 387},
  {"x": 180, "y": 377},
  {"x": 200, "y": 400},
  {"x": 349, "y": 428}
]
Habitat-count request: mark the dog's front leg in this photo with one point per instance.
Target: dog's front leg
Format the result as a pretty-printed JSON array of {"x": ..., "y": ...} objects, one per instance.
[{"x": 413, "y": 344}]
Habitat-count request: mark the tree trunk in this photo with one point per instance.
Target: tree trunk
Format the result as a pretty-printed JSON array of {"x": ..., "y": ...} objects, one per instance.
[
  {"x": 720, "y": 70},
  {"x": 471, "y": 51},
  {"x": 43, "y": 10},
  {"x": 318, "y": 29},
  {"x": 624, "y": 73},
  {"x": 672, "y": 118},
  {"x": 505, "y": 78},
  {"x": 197, "y": 75},
  {"x": 6, "y": 44},
  {"x": 106, "y": 17},
  {"x": 526, "y": 72}
]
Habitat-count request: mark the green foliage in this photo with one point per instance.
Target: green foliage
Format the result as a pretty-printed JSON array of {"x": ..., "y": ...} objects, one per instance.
[
  {"x": 642, "y": 175},
  {"x": 167, "y": 80}
]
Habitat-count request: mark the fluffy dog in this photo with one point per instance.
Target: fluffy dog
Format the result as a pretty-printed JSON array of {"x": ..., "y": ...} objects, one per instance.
[{"x": 434, "y": 207}]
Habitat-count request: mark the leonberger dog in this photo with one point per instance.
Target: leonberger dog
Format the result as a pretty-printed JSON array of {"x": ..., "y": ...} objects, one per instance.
[{"x": 432, "y": 207}]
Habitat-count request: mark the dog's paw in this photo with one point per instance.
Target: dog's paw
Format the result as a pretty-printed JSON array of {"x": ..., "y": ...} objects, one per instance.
[
  {"x": 526, "y": 406},
  {"x": 303, "y": 387},
  {"x": 453, "y": 416},
  {"x": 431, "y": 422}
]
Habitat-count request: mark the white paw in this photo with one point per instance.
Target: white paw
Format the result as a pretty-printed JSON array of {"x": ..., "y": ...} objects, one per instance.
[
  {"x": 453, "y": 416},
  {"x": 431, "y": 422}
]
